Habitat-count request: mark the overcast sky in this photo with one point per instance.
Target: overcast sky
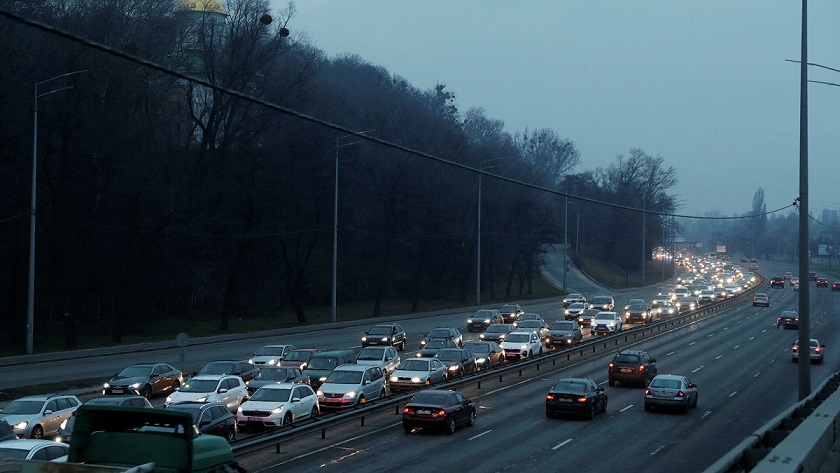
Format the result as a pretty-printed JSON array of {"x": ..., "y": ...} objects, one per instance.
[{"x": 703, "y": 84}]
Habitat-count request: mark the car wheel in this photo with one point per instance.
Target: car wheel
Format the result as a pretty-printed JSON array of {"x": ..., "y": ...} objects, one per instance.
[
  {"x": 612, "y": 382},
  {"x": 796, "y": 360},
  {"x": 471, "y": 420},
  {"x": 37, "y": 432},
  {"x": 461, "y": 372},
  {"x": 694, "y": 404},
  {"x": 549, "y": 415},
  {"x": 530, "y": 353},
  {"x": 592, "y": 411},
  {"x": 314, "y": 413},
  {"x": 540, "y": 352},
  {"x": 288, "y": 419},
  {"x": 685, "y": 408},
  {"x": 147, "y": 392},
  {"x": 451, "y": 427},
  {"x": 604, "y": 407},
  {"x": 231, "y": 435}
]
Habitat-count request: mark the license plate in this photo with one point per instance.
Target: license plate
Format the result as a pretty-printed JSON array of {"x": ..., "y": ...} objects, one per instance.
[
  {"x": 330, "y": 399},
  {"x": 424, "y": 411},
  {"x": 254, "y": 419},
  {"x": 626, "y": 370},
  {"x": 562, "y": 399},
  {"x": 116, "y": 391}
]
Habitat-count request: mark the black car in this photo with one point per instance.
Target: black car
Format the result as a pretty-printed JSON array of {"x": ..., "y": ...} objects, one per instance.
[
  {"x": 777, "y": 282},
  {"x": 243, "y": 369},
  {"x": 212, "y": 418},
  {"x": 602, "y": 303},
  {"x": 443, "y": 333},
  {"x": 438, "y": 409},
  {"x": 486, "y": 354},
  {"x": 632, "y": 367},
  {"x": 280, "y": 374},
  {"x": 432, "y": 347},
  {"x": 497, "y": 332},
  {"x": 510, "y": 312},
  {"x": 822, "y": 282},
  {"x": 385, "y": 334},
  {"x": 788, "y": 319},
  {"x": 66, "y": 429},
  {"x": 458, "y": 361},
  {"x": 483, "y": 318},
  {"x": 640, "y": 313},
  {"x": 575, "y": 396},
  {"x": 147, "y": 380},
  {"x": 563, "y": 333}
]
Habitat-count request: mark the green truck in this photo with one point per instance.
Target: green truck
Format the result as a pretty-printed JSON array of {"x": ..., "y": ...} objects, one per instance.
[{"x": 118, "y": 439}]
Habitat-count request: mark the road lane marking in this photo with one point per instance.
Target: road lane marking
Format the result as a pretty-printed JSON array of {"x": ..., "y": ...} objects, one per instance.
[
  {"x": 736, "y": 347},
  {"x": 626, "y": 408},
  {"x": 763, "y": 330},
  {"x": 561, "y": 444},
  {"x": 756, "y": 375},
  {"x": 719, "y": 357},
  {"x": 733, "y": 393},
  {"x": 706, "y": 414},
  {"x": 752, "y": 338},
  {"x": 726, "y": 328},
  {"x": 669, "y": 354},
  {"x": 692, "y": 343},
  {"x": 657, "y": 450},
  {"x": 710, "y": 335},
  {"x": 698, "y": 369},
  {"x": 273, "y": 467},
  {"x": 479, "y": 435}
]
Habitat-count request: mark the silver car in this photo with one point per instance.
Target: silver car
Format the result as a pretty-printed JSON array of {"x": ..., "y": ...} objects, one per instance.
[
  {"x": 350, "y": 385},
  {"x": 817, "y": 350},
  {"x": 669, "y": 390},
  {"x": 386, "y": 358},
  {"x": 39, "y": 416}
]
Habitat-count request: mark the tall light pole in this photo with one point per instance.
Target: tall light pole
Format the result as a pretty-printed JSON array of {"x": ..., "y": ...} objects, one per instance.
[
  {"x": 644, "y": 222},
  {"x": 338, "y": 145},
  {"x": 804, "y": 289},
  {"x": 30, "y": 302},
  {"x": 565, "y": 242},
  {"x": 478, "y": 233}
]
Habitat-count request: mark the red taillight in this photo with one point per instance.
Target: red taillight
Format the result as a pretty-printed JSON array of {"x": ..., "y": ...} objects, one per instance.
[
  {"x": 817, "y": 350},
  {"x": 795, "y": 349},
  {"x": 641, "y": 368},
  {"x": 611, "y": 366},
  {"x": 407, "y": 410},
  {"x": 438, "y": 413},
  {"x": 549, "y": 397},
  {"x": 581, "y": 399},
  {"x": 680, "y": 394}
]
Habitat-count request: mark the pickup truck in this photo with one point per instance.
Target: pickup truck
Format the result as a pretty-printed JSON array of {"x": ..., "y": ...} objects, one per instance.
[{"x": 132, "y": 439}]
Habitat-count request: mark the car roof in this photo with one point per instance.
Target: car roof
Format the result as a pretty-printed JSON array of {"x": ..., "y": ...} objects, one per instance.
[
  {"x": 27, "y": 444},
  {"x": 277, "y": 346},
  {"x": 521, "y": 332},
  {"x": 212, "y": 377},
  {"x": 605, "y": 312},
  {"x": 43, "y": 397},
  {"x": 353, "y": 367},
  {"x": 631, "y": 352},
  {"x": 195, "y": 405},
  {"x": 670, "y": 376},
  {"x": 280, "y": 386}
]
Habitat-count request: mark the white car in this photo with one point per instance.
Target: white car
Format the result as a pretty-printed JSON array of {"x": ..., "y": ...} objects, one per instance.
[
  {"x": 606, "y": 323},
  {"x": 228, "y": 389},
  {"x": 416, "y": 373},
  {"x": 817, "y": 351},
  {"x": 35, "y": 449},
  {"x": 575, "y": 309},
  {"x": 384, "y": 357},
  {"x": 521, "y": 344},
  {"x": 278, "y": 404},
  {"x": 270, "y": 355},
  {"x": 659, "y": 299}
]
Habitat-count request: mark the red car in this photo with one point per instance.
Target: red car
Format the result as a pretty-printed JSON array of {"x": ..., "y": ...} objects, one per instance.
[{"x": 439, "y": 409}]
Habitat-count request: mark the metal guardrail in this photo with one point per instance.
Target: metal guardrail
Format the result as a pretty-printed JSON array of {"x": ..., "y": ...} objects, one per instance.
[{"x": 274, "y": 438}]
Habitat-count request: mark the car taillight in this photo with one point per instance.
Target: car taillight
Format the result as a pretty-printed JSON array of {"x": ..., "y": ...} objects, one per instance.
[
  {"x": 680, "y": 394},
  {"x": 549, "y": 397},
  {"x": 408, "y": 411},
  {"x": 817, "y": 350},
  {"x": 612, "y": 366},
  {"x": 581, "y": 399},
  {"x": 438, "y": 413},
  {"x": 641, "y": 368},
  {"x": 647, "y": 392},
  {"x": 795, "y": 349}
]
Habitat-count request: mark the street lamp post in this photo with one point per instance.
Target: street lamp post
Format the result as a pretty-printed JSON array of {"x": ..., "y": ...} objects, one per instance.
[
  {"x": 478, "y": 234},
  {"x": 565, "y": 243},
  {"x": 338, "y": 145},
  {"x": 30, "y": 302}
]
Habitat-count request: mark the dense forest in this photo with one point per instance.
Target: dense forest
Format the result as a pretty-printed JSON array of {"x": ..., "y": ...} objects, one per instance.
[{"x": 163, "y": 198}]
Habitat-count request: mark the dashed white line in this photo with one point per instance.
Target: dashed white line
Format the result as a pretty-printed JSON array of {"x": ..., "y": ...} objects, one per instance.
[
  {"x": 657, "y": 450},
  {"x": 756, "y": 375},
  {"x": 726, "y": 328},
  {"x": 710, "y": 335},
  {"x": 719, "y": 357},
  {"x": 736, "y": 347},
  {"x": 698, "y": 369},
  {"x": 763, "y": 330},
  {"x": 669, "y": 354},
  {"x": 692, "y": 343},
  {"x": 706, "y": 414},
  {"x": 479, "y": 435},
  {"x": 561, "y": 444},
  {"x": 752, "y": 338},
  {"x": 733, "y": 393},
  {"x": 626, "y": 408}
]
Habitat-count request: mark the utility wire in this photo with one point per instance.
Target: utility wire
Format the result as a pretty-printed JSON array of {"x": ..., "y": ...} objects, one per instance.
[{"x": 279, "y": 108}]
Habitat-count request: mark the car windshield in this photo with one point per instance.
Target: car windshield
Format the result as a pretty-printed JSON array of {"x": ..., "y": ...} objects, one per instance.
[
  {"x": 414, "y": 365},
  {"x": 563, "y": 326},
  {"x": 271, "y": 395},
  {"x": 13, "y": 453},
  {"x": 601, "y": 300},
  {"x": 371, "y": 354},
  {"x": 508, "y": 309},
  {"x": 449, "y": 355},
  {"x": 431, "y": 399},
  {"x": 298, "y": 356},
  {"x": 199, "y": 386},
  {"x": 135, "y": 371},
  {"x": 23, "y": 407},
  {"x": 272, "y": 374},
  {"x": 638, "y": 307},
  {"x": 345, "y": 377},
  {"x": 569, "y": 387},
  {"x": 380, "y": 330},
  {"x": 484, "y": 313},
  {"x": 530, "y": 324},
  {"x": 269, "y": 351},
  {"x": 577, "y": 305},
  {"x": 497, "y": 329},
  {"x": 322, "y": 363},
  {"x": 665, "y": 383},
  {"x": 439, "y": 333},
  {"x": 627, "y": 358},
  {"x": 606, "y": 318},
  {"x": 478, "y": 347},
  {"x": 518, "y": 338},
  {"x": 436, "y": 344},
  {"x": 217, "y": 368}
]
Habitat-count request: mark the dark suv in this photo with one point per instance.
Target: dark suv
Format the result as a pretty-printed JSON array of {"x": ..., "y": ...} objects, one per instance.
[
  {"x": 443, "y": 333},
  {"x": 602, "y": 303},
  {"x": 777, "y": 282},
  {"x": 510, "y": 312},
  {"x": 385, "y": 334},
  {"x": 632, "y": 366}
]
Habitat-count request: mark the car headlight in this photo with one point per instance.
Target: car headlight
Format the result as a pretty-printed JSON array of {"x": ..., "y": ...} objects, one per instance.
[
  {"x": 394, "y": 379},
  {"x": 168, "y": 399},
  {"x": 134, "y": 386},
  {"x": 239, "y": 410},
  {"x": 20, "y": 425},
  {"x": 350, "y": 395},
  {"x": 502, "y": 336},
  {"x": 481, "y": 335},
  {"x": 251, "y": 360},
  {"x": 277, "y": 410},
  {"x": 272, "y": 362},
  {"x": 469, "y": 321},
  {"x": 202, "y": 399},
  {"x": 384, "y": 339},
  {"x": 453, "y": 368},
  {"x": 322, "y": 379},
  {"x": 486, "y": 321},
  {"x": 422, "y": 343},
  {"x": 415, "y": 379},
  {"x": 523, "y": 347},
  {"x": 364, "y": 339},
  {"x": 547, "y": 339},
  {"x": 63, "y": 424},
  {"x": 567, "y": 312},
  {"x": 320, "y": 393},
  {"x": 106, "y": 385},
  {"x": 481, "y": 360}
]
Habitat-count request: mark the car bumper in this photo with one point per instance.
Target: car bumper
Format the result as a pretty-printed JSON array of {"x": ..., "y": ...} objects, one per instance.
[
  {"x": 566, "y": 407},
  {"x": 423, "y": 421},
  {"x": 336, "y": 402},
  {"x": 666, "y": 402},
  {"x": 557, "y": 342},
  {"x": 405, "y": 385},
  {"x": 264, "y": 421},
  {"x": 472, "y": 327},
  {"x": 120, "y": 391},
  {"x": 628, "y": 377}
]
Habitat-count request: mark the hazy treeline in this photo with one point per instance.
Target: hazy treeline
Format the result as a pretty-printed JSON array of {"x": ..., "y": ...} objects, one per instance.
[{"x": 159, "y": 198}]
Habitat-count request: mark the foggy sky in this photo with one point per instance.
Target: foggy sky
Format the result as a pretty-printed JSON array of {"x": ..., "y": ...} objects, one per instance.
[{"x": 703, "y": 84}]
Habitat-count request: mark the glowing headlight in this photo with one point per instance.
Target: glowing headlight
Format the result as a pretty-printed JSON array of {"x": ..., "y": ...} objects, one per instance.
[
  {"x": 394, "y": 379},
  {"x": 523, "y": 347},
  {"x": 320, "y": 393},
  {"x": 106, "y": 385},
  {"x": 202, "y": 399},
  {"x": 322, "y": 379},
  {"x": 469, "y": 321},
  {"x": 134, "y": 386},
  {"x": 64, "y": 424},
  {"x": 453, "y": 368},
  {"x": 415, "y": 379},
  {"x": 251, "y": 360},
  {"x": 302, "y": 365},
  {"x": 20, "y": 425},
  {"x": 364, "y": 339},
  {"x": 277, "y": 410},
  {"x": 168, "y": 399},
  {"x": 481, "y": 335},
  {"x": 418, "y": 355},
  {"x": 486, "y": 321},
  {"x": 239, "y": 410},
  {"x": 350, "y": 395},
  {"x": 384, "y": 339},
  {"x": 501, "y": 336},
  {"x": 567, "y": 312},
  {"x": 481, "y": 360},
  {"x": 422, "y": 343}
]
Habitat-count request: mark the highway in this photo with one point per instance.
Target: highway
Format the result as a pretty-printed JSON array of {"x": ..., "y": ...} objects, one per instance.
[{"x": 738, "y": 358}]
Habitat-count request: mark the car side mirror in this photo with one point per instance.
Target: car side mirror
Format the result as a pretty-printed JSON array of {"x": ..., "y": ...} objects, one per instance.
[
  {"x": 204, "y": 422},
  {"x": 295, "y": 399},
  {"x": 822, "y": 345},
  {"x": 48, "y": 412},
  {"x": 367, "y": 381},
  {"x": 222, "y": 391}
]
